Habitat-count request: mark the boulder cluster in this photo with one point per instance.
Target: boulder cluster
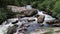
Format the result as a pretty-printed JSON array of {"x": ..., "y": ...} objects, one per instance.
[{"x": 23, "y": 12}]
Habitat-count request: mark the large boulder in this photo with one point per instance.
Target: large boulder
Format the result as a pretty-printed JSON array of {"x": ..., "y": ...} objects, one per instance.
[
  {"x": 41, "y": 19},
  {"x": 16, "y": 8},
  {"x": 27, "y": 13},
  {"x": 30, "y": 12},
  {"x": 23, "y": 10}
]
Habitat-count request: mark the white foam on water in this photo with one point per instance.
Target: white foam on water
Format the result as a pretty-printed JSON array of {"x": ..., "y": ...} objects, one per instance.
[
  {"x": 47, "y": 17},
  {"x": 4, "y": 26}
]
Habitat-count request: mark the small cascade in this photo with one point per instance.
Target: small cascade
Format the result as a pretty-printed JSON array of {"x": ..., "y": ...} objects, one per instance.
[
  {"x": 28, "y": 7},
  {"x": 26, "y": 20},
  {"x": 47, "y": 17}
]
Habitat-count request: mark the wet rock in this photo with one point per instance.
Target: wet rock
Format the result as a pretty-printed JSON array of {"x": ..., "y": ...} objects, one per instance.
[
  {"x": 57, "y": 21},
  {"x": 50, "y": 22},
  {"x": 21, "y": 33},
  {"x": 31, "y": 20},
  {"x": 56, "y": 25},
  {"x": 44, "y": 12},
  {"x": 12, "y": 30},
  {"x": 53, "y": 22},
  {"x": 23, "y": 27},
  {"x": 36, "y": 15},
  {"x": 41, "y": 19},
  {"x": 15, "y": 22}
]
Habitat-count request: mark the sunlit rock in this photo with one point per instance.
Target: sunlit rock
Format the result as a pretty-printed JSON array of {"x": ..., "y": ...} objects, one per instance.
[
  {"x": 16, "y": 8},
  {"x": 23, "y": 10},
  {"x": 31, "y": 19},
  {"x": 30, "y": 12},
  {"x": 41, "y": 18}
]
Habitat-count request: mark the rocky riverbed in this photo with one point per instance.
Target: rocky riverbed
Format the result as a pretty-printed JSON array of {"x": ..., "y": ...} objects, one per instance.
[{"x": 29, "y": 21}]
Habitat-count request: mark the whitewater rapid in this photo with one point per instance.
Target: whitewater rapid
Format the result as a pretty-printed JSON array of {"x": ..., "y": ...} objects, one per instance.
[{"x": 4, "y": 27}]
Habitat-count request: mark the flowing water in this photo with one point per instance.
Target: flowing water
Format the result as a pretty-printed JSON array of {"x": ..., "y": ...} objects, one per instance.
[{"x": 32, "y": 25}]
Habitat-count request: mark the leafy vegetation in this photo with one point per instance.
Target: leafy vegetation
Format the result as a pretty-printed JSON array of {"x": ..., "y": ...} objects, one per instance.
[{"x": 5, "y": 14}]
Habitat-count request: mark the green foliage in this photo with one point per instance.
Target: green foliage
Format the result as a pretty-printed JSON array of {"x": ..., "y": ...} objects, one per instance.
[
  {"x": 2, "y": 15},
  {"x": 46, "y": 4},
  {"x": 4, "y": 3},
  {"x": 56, "y": 10},
  {"x": 5, "y": 14}
]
